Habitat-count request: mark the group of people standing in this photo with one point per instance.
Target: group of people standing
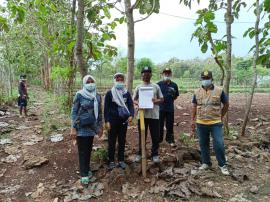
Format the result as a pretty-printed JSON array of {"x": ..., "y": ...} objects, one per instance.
[{"x": 119, "y": 112}]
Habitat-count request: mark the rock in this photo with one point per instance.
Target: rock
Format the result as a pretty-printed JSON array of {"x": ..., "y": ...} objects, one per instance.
[
  {"x": 254, "y": 189},
  {"x": 239, "y": 198},
  {"x": 28, "y": 194},
  {"x": 22, "y": 127},
  {"x": 239, "y": 176},
  {"x": 3, "y": 124},
  {"x": 10, "y": 190},
  {"x": 10, "y": 159},
  {"x": 178, "y": 107},
  {"x": 57, "y": 138},
  {"x": 5, "y": 141},
  {"x": 186, "y": 114},
  {"x": 34, "y": 139},
  {"x": 39, "y": 191},
  {"x": 147, "y": 180},
  {"x": 2, "y": 172},
  {"x": 31, "y": 161}
]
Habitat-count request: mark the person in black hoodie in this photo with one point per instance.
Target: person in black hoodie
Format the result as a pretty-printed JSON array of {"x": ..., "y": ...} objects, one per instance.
[
  {"x": 23, "y": 95},
  {"x": 118, "y": 112}
]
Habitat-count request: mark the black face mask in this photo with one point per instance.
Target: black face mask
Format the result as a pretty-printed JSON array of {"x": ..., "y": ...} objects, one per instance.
[{"x": 146, "y": 77}]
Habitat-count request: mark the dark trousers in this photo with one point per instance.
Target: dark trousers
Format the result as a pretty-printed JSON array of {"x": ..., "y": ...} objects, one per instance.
[
  {"x": 153, "y": 125},
  {"x": 169, "y": 118},
  {"x": 85, "y": 145},
  {"x": 216, "y": 131},
  {"x": 117, "y": 131}
]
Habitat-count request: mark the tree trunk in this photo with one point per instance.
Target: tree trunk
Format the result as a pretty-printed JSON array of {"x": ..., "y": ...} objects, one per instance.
[
  {"x": 228, "y": 68},
  {"x": 80, "y": 31},
  {"x": 256, "y": 55},
  {"x": 131, "y": 44},
  {"x": 46, "y": 72},
  {"x": 71, "y": 60}
]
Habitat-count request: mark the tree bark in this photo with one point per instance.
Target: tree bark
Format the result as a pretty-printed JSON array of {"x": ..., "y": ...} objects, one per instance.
[
  {"x": 256, "y": 55},
  {"x": 79, "y": 44},
  {"x": 131, "y": 44},
  {"x": 229, "y": 21}
]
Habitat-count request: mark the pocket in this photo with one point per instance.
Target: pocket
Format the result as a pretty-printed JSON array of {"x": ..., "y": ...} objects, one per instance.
[{"x": 215, "y": 100}]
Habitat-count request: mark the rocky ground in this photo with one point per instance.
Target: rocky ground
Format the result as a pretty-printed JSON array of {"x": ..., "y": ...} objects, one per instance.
[{"x": 39, "y": 162}]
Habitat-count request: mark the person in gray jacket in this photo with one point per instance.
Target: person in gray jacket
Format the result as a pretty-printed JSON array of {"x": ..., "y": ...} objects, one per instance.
[{"x": 86, "y": 122}]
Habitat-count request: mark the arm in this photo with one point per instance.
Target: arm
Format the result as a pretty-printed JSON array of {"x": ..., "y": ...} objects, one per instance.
[
  {"x": 106, "y": 106},
  {"x": 99, "y": 120},
  {"x": 136, "y": 96},
  {"x": 75, "y": 110},
  {"x": 130, "y": 105},
  {"x": 159, "y": 98},
  {"x": 225, "y": 101},
  {"x": 177, "y": 92}
]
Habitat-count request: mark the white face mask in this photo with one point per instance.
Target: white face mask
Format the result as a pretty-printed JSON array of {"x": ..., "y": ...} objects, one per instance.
[
  {"x": 206, "y": 83},
  {"x": 167, "y": 78},
  {"x": 90, "y": 86}
]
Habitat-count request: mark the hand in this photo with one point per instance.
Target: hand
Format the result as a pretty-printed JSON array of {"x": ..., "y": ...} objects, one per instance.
[
  {"x": 100, "y": 132},
  {"x": 193, "y": 129},
  {"x": 108, "y": 126},
  {"x": 155, "y": 100},
  {"x": 73, "y": 133},
  {"x": 130, "y": 120},
  {"x": 136, "y": 102}
]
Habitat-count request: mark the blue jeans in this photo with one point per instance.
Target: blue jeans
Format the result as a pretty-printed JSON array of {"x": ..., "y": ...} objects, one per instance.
[{"x": 203, "y": 132}]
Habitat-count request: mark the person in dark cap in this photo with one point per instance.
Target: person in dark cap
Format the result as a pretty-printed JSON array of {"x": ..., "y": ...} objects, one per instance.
[
  {"x": 151, "y": 116},
  {"x": 118, "y": 113},
  {"x": 210, "y": 104},
  {"x": 170, "y": 92},
  {"x": 23, "y": 95}
]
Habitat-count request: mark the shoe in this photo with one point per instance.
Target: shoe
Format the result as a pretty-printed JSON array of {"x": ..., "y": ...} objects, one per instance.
[
  {"x": 90, "y": 174},
  {"x": 172, "y": 144},
  {"x": 111, "y": 165},
  {"x": 155, "y": 159},
  {"x": 224, "y": 170},
  {"x": 122, "y": 165},
  {"x": 84, "y": 181},
  {"x": 204, "y": 166},
  {"x": 137, "y": 158}
]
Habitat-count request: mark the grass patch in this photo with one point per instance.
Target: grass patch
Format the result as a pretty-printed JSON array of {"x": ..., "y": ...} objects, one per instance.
[{"x": 187, "y": 140}]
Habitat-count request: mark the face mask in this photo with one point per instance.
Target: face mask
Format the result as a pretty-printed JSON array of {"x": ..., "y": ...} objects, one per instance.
[
  {"x": 119, "y": 85},
  {"x": 90, "y": 86},
  {"x": 206, "y": 83},
  {"x": 167, "y": 78}
]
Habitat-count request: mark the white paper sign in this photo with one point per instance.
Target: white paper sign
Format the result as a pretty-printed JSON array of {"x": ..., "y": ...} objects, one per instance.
[{"x": 146, "y": 95}]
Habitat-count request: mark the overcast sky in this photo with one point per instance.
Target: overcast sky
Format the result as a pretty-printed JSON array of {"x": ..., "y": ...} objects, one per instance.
[{"x": 161, "y": 37}]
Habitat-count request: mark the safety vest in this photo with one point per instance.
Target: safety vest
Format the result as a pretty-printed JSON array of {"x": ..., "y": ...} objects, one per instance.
[{"x": 208, "y": 105}]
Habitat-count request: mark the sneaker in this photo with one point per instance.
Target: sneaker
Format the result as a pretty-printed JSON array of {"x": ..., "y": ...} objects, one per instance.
[
  {"x": 111, "y": 165},
  {"x": 90, "y": 174},
  {"x": 224, "y": 170},
  {"x": 84, "y": 181},
  {"x": 155, "y": 159},
  {"x": 172, "y": 144},
  {"x": 137, "y": 158},
  {"x": 204, "y": 166},
  {"x": 122, "y": 165}
]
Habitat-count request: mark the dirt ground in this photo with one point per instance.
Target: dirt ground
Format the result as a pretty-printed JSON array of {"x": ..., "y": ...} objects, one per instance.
[{"x": 33, "y": 168}]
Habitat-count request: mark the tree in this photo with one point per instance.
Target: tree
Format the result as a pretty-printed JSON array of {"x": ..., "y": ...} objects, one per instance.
[
  {"x": 254, "y": 64},
  {"x": 204, "y": 32},
  {"x": 145, "y": 7}
]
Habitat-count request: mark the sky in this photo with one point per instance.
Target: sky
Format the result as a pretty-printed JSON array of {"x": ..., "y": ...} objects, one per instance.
[{"x": 161, "y": 37}]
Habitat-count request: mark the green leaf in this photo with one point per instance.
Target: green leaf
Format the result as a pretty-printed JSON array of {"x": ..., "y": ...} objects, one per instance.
[{"x": 204, "y": 47}]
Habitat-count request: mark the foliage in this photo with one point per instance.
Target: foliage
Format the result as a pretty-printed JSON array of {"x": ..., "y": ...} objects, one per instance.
[{"x": 100, "y": 154}]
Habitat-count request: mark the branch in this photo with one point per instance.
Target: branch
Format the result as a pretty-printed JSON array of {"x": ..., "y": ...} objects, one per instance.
[
  {"x": 214, "y": 51},
  {"x": 150, "y": 13},
  {"x": 122, "y": 12},
  {"x": 135, "y": 4}
]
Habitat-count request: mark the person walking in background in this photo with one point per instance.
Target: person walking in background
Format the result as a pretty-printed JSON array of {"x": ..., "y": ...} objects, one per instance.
[
  {"x": 207, "y": 114},
  {"x": 170, "y": 92},
  {"x": 23, "y": 95},
  {"x": 118, "y": 112},
  {"x": 86, "y": 122},
  {"x": 151, "y": 116}
]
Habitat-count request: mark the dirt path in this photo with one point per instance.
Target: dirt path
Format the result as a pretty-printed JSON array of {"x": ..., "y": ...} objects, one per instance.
[{"x": 33, "y": 168}]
